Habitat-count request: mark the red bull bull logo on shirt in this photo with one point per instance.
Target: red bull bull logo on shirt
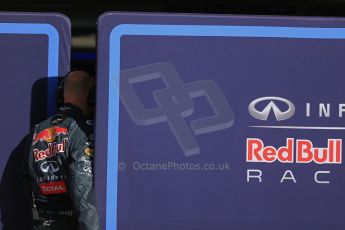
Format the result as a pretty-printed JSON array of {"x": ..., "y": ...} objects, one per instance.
[{"x": 49, "y": 134}]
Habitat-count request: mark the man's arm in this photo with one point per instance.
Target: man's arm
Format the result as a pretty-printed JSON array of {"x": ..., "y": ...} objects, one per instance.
[{"x": 80, "y": 181}]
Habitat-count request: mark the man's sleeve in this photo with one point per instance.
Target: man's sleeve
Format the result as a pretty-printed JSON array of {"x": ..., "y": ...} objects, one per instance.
[{"x": 80, "y": 181}]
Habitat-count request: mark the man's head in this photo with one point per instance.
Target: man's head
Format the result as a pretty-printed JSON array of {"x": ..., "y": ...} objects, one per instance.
[{"x": 76, "y": 89}]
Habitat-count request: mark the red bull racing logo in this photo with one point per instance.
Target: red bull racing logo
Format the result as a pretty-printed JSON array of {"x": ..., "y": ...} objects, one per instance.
[
  {"x": 299, "y": 151},
  {"x": 49, "y": 135},
  {"x": 53, "y": 149}
]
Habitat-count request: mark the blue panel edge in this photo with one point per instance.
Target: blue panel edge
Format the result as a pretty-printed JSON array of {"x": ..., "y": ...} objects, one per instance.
[
  {"x": 177, "y": 30},
  {"x": 53, "y": 51}
]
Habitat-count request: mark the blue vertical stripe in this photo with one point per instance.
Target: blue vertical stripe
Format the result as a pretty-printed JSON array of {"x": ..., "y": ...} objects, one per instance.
[{"x": 53, "y": 51}]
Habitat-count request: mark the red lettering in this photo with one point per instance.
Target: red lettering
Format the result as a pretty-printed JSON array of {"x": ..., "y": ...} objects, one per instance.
[
  {"x": 256, "y": 152},
  {"x": 52, "y": 150},
  {"x": 304, "y": 151},
  {"x": 285, "y": 153},
  {"x": 320, "y": 155},
  {"x": 55, "y": 187},
  {"x": 269, "y": 154},
  {"x": 331, "y": 150},
  {"x": 338, "y": 145},
  {"x": 254, "y": 147}
]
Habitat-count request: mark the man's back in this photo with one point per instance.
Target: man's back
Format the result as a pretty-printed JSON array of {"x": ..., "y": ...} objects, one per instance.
[{"x": 59, "y": 166}]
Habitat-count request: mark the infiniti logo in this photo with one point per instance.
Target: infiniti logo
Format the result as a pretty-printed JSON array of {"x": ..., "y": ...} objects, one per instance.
[
  {"x": 263, "y": 115},
  {"x": 50, "y": 166}
]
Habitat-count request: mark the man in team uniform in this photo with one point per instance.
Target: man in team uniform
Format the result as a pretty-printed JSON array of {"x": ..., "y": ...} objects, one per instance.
[{"x": 59, "y": 164}]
